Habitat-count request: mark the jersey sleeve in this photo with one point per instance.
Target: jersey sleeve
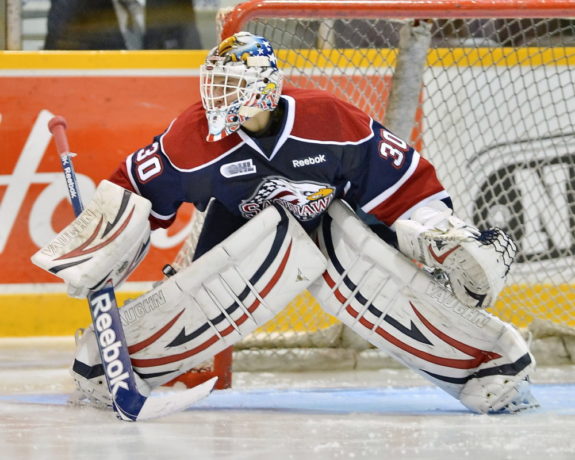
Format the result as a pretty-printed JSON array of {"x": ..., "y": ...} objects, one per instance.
[
  {"x": 149, "y": 173},
  {"x": 390, "y": 178}
]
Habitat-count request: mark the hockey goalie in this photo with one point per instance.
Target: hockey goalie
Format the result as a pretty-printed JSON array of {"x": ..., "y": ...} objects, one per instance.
[{"x": 280, "y": 174}]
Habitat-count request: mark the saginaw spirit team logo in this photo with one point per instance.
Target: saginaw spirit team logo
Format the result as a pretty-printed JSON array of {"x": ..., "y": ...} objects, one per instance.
[{"x": 305, "y": 200}]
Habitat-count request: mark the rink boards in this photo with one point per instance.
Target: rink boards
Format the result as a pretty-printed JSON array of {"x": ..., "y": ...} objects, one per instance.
[{"x": 99, "y": 92}]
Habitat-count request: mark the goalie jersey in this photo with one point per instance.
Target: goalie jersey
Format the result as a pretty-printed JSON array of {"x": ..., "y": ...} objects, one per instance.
[{"x": 324, "y": 149}]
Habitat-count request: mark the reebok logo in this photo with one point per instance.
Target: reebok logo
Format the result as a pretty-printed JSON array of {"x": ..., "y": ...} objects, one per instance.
[
  {"x": 111, "y": 346},
  {"x": 309, "y": 161}
]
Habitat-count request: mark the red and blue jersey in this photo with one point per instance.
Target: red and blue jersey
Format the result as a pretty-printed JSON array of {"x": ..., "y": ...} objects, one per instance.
[{"x": 326, "y": 149}]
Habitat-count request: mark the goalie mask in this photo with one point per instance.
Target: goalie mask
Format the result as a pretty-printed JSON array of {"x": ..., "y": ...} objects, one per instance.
[{"x": 239, "y": 79}]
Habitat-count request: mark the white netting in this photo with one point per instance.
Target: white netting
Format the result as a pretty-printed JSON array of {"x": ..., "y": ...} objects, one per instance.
[{"x": 490, "y": 102}]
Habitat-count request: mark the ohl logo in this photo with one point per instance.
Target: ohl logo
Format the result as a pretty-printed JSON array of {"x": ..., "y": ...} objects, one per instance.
[{"x": 305, "y": 200}]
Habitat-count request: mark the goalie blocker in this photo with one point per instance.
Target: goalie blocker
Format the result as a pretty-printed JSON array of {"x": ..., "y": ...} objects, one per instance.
[
  {"x": 104, "y": 244},
  {"x": 225, "y": 294},
  {"x": 399, "y": 308}
]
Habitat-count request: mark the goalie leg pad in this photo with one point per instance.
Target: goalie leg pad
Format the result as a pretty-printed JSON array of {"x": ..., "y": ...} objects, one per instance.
[
  {"x": 225, "y": 294},
  {"x": 477, "y": 263},
  {"x": 88, "y": 373},
  {"x": 386, "y": 299}
]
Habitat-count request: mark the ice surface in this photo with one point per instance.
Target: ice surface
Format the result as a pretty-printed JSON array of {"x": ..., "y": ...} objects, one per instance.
[{"x": 386, "y": 414}]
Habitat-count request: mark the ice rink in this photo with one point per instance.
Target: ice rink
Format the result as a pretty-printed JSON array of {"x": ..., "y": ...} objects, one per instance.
[{"x": 384, "y": 414}]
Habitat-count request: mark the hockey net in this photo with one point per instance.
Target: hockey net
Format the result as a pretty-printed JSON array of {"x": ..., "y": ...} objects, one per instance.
[{"x": 486, "y": 91}]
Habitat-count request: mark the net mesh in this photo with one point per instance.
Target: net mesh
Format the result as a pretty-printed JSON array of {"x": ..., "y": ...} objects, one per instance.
[{"x": 490, "y": 103}]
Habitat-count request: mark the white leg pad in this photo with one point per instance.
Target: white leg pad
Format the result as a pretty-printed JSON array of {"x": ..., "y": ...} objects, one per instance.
[
  {"x": 221, "y": 297},
  {"x": 381, "y": 295}
]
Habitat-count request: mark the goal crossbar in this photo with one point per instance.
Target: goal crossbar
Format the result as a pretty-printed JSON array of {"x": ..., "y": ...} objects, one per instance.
[{"x": 415, "y": 9}]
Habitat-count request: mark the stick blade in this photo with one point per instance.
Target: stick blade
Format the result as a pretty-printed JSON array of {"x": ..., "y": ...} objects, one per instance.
[{"x": 159, "y": 405}]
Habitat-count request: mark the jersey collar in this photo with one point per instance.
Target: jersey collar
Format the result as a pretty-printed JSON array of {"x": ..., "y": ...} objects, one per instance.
[{"x": 289, "y": 117}]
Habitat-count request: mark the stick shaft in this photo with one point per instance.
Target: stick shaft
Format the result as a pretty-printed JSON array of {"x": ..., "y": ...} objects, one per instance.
[
  {"x": 57, "y": 127},
  {"x": 122, "y": 384}
]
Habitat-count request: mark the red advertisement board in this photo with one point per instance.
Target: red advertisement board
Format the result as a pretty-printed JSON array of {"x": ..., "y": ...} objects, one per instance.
[{"x": 114, "y": 102}]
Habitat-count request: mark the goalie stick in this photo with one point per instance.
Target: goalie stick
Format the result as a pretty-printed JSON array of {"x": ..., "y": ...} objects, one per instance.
[{"x": 128, "y": 403}]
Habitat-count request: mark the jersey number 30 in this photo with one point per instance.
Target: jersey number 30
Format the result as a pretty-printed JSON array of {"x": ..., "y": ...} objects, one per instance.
[
  {"x": 392, "y": 148},
  {"x": 148, "y": 165}
]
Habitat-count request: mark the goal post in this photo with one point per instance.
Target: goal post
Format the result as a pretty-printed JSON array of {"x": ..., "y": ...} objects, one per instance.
[{"x": 483, "y": 89}]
